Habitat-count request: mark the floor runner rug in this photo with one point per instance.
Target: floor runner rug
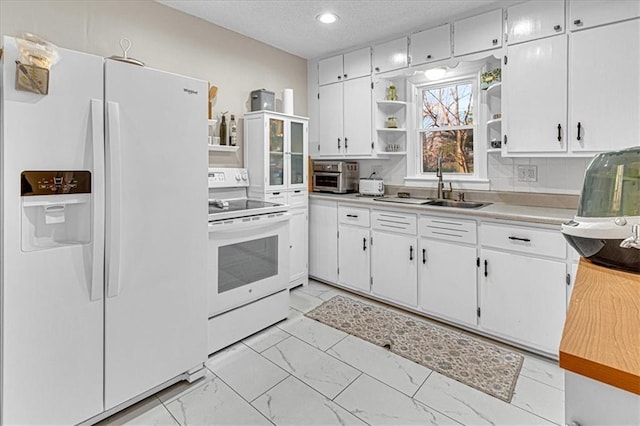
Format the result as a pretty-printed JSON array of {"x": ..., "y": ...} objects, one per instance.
[{"x": 469, "y": 360}]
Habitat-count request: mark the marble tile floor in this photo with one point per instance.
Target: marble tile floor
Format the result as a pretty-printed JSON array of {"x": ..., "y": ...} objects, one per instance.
[{"x": 300, "y": 372}]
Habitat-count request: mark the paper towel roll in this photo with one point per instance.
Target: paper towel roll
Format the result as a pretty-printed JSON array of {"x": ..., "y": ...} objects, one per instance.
[{"x": 287, "y": 101}]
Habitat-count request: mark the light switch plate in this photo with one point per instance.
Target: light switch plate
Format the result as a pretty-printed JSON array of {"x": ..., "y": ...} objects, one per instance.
[{"x": 527, "y": 173}]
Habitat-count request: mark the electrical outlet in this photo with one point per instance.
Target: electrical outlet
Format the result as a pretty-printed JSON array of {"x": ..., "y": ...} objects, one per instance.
[
  {"x": 377, "y": 169},
  {"x": 527, "y": 173}
]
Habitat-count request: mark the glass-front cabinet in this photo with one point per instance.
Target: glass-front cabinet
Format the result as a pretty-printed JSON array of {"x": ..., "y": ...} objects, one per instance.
[{"x": 276, "y": 150}]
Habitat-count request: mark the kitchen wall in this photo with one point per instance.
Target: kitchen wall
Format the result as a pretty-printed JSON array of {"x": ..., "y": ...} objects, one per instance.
[{"x": 169, "y": 40}]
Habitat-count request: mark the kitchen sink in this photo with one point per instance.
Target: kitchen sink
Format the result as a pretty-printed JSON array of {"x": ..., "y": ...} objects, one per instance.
[{"x": 458, "y": 204}]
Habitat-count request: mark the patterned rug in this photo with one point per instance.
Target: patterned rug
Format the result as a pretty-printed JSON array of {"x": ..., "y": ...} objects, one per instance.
[{"x": 475, "y": 363}]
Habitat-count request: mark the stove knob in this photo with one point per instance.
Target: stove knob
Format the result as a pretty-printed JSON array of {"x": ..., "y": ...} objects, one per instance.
[
  {"x": 620, "y": 221},
  {"x": 244, "y": 176},
  {"x": 238, "y": 177}
]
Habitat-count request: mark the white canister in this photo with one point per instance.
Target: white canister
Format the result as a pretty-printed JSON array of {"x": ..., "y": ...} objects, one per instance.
[{"x": 287, "y": 101}]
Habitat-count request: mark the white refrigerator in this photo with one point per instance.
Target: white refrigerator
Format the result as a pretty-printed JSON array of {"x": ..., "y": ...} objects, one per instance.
[{"x": 104, "y": 237}]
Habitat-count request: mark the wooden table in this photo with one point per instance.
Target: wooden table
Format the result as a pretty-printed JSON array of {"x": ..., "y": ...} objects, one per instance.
[{"x": 601, "y": 337}]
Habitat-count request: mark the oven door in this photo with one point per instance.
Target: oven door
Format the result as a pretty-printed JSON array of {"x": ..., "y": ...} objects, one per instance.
[
  {"x": 248, "y": 260},
  {"x": 327, "y": 181}
]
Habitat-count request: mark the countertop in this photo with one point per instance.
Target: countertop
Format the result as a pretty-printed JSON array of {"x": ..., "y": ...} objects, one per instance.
[
  {"x": 502, "y": 211},
  {"x": 601, "y": 337}
]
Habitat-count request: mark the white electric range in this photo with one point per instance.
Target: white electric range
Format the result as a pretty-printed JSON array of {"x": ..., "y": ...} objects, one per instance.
[{"x": 248, "y": 260}]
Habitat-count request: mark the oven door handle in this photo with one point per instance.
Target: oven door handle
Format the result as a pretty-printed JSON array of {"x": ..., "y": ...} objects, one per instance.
[{"x": 235, "y": 225}]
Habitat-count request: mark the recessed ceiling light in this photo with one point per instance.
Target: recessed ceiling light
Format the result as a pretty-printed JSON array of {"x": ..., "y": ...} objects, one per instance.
[
  {"x": 435, "y": 73},
  {"x": 327, "y": 18}
]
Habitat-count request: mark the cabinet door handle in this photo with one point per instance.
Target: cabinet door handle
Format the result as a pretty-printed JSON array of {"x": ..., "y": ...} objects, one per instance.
[
  {"x": 338, "y": 143},
  {"x": 559, "y": 132},
  {"x": 577, "y": 22},
  {"x": 346, "y": 143},
  {"x": 364, "y": 244},
  {"x": 352, "y": 215},
  {"x": 276, "y": 193},
  {"x": 579, "y": 128},
  {"x": 424, "y": 256},
  {"x": 485, "y": 268},
  {"x": 339, "y": 77},
  {"x": 428, "y": 56},
  {"x": 297, "y": 191},
  {"x": 526, "y": 240},
  {"x": 345, "y": 76},
  {"x": 377, "y": 69},
  {"x": 494, "y": 41},
  {"x": 410, "y": 252},
  {"x": 557, "y": 27}
]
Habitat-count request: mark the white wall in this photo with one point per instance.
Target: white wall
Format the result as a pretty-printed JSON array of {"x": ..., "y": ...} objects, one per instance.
[{"x": 166, "y": 39}]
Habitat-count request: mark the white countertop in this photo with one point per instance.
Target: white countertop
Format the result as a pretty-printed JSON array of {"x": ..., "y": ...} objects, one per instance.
[{"x": 501, "y": 211}]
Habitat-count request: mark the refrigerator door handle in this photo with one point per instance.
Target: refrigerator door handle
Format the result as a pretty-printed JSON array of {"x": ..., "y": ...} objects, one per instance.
[
  {"x": 112, "y": 260},
  {"x": 97, "y": 141}
]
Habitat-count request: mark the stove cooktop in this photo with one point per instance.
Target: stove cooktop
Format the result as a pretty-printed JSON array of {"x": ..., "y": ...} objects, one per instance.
[{"x": 234, "y": 208}]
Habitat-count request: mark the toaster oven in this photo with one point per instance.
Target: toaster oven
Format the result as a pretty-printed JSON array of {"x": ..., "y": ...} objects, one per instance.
[{"x": 338, "y": 177}]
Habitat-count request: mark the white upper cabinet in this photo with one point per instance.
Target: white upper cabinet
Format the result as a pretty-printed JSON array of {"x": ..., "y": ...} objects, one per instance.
[
  {"x": 590, "y": 13},
  {"x": 604, "y": 88},
  {"x": 477, "y": 33},
  {"x": 534, "y": 96},
  {"x": 343, "y": 67},
  {"x": 534, "y": 19},
  {"x": 390, "y": 56},
  {"x": 430, "y": 45}
]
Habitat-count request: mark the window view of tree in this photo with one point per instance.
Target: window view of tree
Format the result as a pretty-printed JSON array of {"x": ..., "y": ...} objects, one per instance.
[{"x": 447, "y": 123}]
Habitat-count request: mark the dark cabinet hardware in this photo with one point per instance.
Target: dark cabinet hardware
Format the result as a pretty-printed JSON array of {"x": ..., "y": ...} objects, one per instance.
[
  {"x": 505, "y": 60},
  {"x": 428, "y": 56},
  {"x": 557, "y": 27},
  {"x": 410, "y": 252},
  {"x": 478, "y": 262},
  {"x": 494, "y": 41},
  {"x": 577, "y": 22},
  {"x": 568, "y": 279},
  {"x": 478, "y": 312},
  {"x": 297, "y": 191},
  {"x": 345, "y": 76},
  {"x": 579, "y": 128},
  {"x": 559, "y": 132},
  {"x": 352, "y": 215},
  {"x": 318, "y": 147},
  {"x": 526, "y": 240},
  {"x": 276, "y": 193},
  {"x": 424, "y": 256},
  {"x": 505, "y": 139},
  {"x": 486, "y": 273},
  {"x": 339, "y": 77},
  {"x": 364, "y": 244},
  {"x": 339, "y": 143},
  {"x": 377, "y": 69},
  {"x": 346, "y": 143}
]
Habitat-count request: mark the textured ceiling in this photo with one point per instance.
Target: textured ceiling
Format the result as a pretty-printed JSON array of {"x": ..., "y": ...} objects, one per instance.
[{"x": 292, "y": 27}]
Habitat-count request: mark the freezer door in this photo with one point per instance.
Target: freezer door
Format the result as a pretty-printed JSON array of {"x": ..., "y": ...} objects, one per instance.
[
  {"x": 52, "y": 290},
  {"x": 155, "y": 309}
]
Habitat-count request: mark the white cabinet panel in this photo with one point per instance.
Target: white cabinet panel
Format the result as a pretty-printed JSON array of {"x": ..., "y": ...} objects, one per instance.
[
  {"x": 534, "y": 90},
  {"x": 394, "y": 260},
  {"x": 330, "y": 118},
  {"x": 430, "y": 45},
  {"x": 589, "y": 13},
  {"x": 323, "y": 240},
  {"x": 534, "y": 19},
  {"x": 357, "y": 216},
  {"x": 390, "y": 56},
  {"x": 330, "y": 70},
  {"x": 448, "y": 278},
  {"x": 523, "y": 299},
  {"x": 535, "y": 241},
  {"x": 353, "y": 257},
  {"x": 357, "y": 63},
  {"x": 604, "y": 87},
  {"x": 357, "y": 117},
  {"x": 477, "y": 33},
  {"x": 298, "y": 234}
]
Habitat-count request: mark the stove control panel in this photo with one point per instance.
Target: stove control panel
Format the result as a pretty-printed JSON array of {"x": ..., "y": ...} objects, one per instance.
[{"x": 228, "y": 177}]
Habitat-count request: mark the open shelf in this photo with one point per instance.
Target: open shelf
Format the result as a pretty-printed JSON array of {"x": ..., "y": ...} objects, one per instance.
[
  {"x": 392, "y": 130},
  {"x": 494, "y": 150},
  {"x": 495, "y": 89},
  {"x": 391, "y": 153},
  {"x": 395, "y": 103},
  {"x": 223, "y": 148},
  {"x": 494, "y": 122}
]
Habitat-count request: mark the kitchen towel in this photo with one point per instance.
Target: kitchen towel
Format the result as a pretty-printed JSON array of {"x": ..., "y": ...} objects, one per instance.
[{"x": 287, "y": 101}]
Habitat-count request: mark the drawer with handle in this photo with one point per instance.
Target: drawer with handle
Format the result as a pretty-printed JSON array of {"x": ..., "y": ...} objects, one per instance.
[
  {"x": 459, "y": 230},
  {"x": 545, "y": 242},
  {"x": 394, "y": 222},
  {"x": 358, "y": 216}
]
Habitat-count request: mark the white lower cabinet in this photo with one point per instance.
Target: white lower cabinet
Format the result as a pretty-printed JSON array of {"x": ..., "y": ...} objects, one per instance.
[
  {"x": 353, "y": 257},
  {"x": 448, "y": 281},
  {"x": 323, "y": 240},
  {"x": 298, "y": 231},
  {"x": 523, "y": 296},
  {"x": 394, "y": 261}
]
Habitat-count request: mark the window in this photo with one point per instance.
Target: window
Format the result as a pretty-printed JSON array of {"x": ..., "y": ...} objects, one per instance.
[{"x": 446, "y": 127}]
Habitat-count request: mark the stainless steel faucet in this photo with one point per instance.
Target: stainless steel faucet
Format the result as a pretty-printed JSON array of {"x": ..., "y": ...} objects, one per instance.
[{"x": 441, "y": 187}]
